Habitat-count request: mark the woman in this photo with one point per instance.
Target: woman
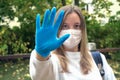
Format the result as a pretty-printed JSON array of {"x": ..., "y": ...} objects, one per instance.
[{"x": 61, "y": 51}]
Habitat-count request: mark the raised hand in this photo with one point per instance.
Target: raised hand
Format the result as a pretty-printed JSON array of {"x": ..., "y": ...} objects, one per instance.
[{"x": 46, "y": 38}]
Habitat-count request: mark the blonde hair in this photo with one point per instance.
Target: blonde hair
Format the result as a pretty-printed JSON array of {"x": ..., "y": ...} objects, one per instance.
[{"x": 86, "y": 59}]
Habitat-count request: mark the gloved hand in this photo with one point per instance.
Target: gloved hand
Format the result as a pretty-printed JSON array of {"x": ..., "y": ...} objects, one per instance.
[{"x": 46, "y": 38}]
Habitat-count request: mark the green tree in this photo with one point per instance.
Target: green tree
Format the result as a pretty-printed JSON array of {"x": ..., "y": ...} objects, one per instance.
[
  {"x": 6, "y": 11},
  {"x": 26, "y": 10}
]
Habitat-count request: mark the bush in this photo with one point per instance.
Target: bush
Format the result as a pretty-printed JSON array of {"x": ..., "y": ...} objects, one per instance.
[
  {"x": 15, "y": 40},
  {"x": 104, "y": 36}
]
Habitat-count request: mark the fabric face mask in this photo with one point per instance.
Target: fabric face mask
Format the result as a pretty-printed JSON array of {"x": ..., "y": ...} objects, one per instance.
[{"x": 73, "y": 40}]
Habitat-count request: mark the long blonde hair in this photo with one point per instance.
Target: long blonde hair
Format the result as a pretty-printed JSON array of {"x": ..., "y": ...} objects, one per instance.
[{"x": 86, "y": 59}]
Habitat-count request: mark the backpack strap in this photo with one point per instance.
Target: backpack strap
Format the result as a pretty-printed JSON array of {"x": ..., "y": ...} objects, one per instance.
[{"x": 98, "y": 60}]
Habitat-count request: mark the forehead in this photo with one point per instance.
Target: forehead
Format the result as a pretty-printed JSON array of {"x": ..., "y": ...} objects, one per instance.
[{"x": 72, "y": 17}]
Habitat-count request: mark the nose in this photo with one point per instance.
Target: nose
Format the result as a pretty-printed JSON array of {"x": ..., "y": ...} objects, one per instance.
[{"x": 71, "y": 27}]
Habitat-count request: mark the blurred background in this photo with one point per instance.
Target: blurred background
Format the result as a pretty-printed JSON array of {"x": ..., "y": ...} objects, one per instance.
[{"x": 17, "y": 32}]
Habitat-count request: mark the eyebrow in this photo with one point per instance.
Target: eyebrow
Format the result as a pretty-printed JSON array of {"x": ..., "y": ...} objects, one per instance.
[{"x": 75, "y": 23}]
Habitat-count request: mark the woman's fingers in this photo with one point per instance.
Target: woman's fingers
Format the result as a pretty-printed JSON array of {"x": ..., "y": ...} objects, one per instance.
[
  {"x": 46, "y": 19},
  {"x": 52, "y": 16},
  {"x": 37, "y": 22},
  {"x": 59, "y": 21}
]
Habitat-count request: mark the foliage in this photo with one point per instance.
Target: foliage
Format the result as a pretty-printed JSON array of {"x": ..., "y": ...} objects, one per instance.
[
  {"x": 20, "y": 39},
  {"x": 102, "y": 6},
  {"x": 12, "y": 41},
  {"x": 6, "y": 11},
  {"x": 107, "y": 35}
]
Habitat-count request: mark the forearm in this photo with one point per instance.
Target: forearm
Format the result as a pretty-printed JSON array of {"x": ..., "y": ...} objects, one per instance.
[{"x": 40, "y": 70}]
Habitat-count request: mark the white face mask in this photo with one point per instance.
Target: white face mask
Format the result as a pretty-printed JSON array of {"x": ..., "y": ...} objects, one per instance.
[{"x": 73, "y": 40}]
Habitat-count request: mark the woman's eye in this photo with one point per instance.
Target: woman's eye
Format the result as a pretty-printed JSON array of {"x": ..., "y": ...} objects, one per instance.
[
  {"x": 77, "y": 26},
  {"x": 65, "y": 26}
]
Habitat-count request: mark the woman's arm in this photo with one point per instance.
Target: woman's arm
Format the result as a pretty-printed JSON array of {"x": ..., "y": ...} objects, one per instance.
[
  {"x": 46, "y": 40},
  {"x": 41, "y": 70}
]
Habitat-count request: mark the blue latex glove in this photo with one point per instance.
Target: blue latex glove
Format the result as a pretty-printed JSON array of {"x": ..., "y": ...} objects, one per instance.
[{"x": 46, "y": 38}]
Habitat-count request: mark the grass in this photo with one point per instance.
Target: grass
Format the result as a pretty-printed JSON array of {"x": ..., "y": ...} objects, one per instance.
[
  {"x": 115, "y": 63},
  {"x": 15, "y": 71},
  {"x": 19, "y": 70},
  {"x": 116, "y": 68}
]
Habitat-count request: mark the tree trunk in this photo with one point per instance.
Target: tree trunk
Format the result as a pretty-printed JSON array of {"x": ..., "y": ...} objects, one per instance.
[
  {"x": 63, "y": 2},
  {"x": 76, "y": 2}
]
